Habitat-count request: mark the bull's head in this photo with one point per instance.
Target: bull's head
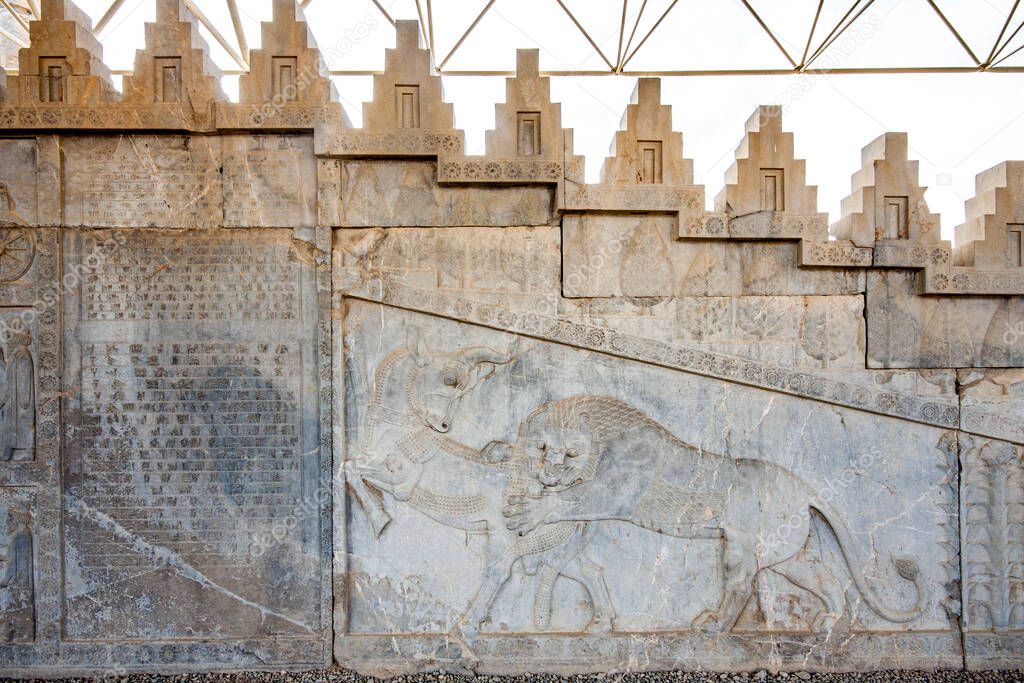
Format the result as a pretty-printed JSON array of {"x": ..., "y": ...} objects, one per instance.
[{"x": 440, "y": 379}]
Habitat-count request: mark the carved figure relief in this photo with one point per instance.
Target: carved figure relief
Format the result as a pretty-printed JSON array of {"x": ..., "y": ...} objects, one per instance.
[
  {"x": 17, "y": 399},
  {"x": 582, "y": 461},
  {"x": 599, "y": 459},
  {"x": 414, "y": 401},
  {"x": 17, "y": 594}
]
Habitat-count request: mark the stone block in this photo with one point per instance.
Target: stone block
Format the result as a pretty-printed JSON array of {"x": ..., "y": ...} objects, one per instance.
[
  {"x": 143, "y": 181},
  {"x": 622, "y": 520},
  {"x": 907, "y": 330},
  {"x": 637, "y": 256},
  {"x": 194, "y": 485},
  {"x": 406, "y": 193},
  {"x": 269, "y": 181}
]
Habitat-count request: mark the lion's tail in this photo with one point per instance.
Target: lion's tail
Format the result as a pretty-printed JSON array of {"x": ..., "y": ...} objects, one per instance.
[{"x": 906, "y": 567}]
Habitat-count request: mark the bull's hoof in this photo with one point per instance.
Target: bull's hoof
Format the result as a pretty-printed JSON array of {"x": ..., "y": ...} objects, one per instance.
[
  {"x": 467, "y": 630},
  {"x": 824, "y": 622},
  {"x": 601, "y": 623},
  {"x": 707, "y": 622}
]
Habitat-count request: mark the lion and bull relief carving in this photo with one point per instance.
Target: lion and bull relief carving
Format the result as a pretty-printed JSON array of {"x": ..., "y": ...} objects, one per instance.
[{"x": 538, "y": 496}]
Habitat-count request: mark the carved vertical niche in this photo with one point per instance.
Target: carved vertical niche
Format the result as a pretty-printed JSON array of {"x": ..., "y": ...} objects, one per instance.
[
  {"x": 407, "y": 95},
  {"x": 63, "y": 64},
  {"x": 887, "y": 204},
  {"x": 1015, "y": 245},
  {"x": 288, "y": 84},
  {"x": 175, "y": 67},
  {"x": 648, "y": 150},
  {"x": 527, "y": 124},
  {"x": 992, "y": 238}
]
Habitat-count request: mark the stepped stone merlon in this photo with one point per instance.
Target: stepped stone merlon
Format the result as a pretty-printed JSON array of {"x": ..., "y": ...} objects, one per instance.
[
  {"x": 766, "y": 176},
  {"x": 886, "y": 203},
  {"x": 175, "y": 66},
  {"x": 64, "y": 61},
  {"x": 647, "y": 151},
  {"x": 992, "y": 238},
  {"x": 406, "y": 95},
  {"x": 527, "y": 124},
  {"x": 288, "y": 67}
]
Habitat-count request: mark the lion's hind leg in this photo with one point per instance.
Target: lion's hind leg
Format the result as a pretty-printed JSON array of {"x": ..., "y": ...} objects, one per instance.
[
  {"x": 739, "y": 570},
  {"x": 820, "y": 582},
  {"x": 591, "y": 576}
]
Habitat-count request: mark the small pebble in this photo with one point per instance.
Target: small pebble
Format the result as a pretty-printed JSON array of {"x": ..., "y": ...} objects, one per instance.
[{"x": 762, "y": 676}]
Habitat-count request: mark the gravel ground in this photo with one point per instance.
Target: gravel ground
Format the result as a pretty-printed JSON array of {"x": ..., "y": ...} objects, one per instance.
[{"x": 342, "y": 676}]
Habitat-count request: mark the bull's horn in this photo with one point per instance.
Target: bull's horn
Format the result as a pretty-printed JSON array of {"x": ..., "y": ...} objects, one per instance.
[{"x": 475, "y": 355}]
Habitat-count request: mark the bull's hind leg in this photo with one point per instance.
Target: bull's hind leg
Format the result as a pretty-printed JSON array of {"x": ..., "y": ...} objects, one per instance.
[
  {"x": 739, "y": 569},
  {"x": 496, "y": 574}
]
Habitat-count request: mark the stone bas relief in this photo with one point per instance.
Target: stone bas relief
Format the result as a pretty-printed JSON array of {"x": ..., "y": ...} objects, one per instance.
[
  {"x": 17, "y": 569},
  {"x": 277, "y": 391},
  {"x": 504, "y": 488},
  {"x": 17, "y": 399}
]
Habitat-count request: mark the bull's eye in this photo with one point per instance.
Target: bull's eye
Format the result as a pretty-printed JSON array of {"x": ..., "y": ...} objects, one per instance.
[
  {"x": 450, "y": 380},
  {"x": 572, "y": 453}
]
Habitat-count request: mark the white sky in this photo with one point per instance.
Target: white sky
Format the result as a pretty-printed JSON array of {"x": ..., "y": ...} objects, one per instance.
[{"x": 959, "y": 124}]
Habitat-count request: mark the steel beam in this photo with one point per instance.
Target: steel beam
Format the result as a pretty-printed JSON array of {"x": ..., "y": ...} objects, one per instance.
[
  {"x": 956, "y": 34},
  {"x": 648, "y": 35},
  {"x": 769, "y": 32},
  {"x": 586, "y": 35},
  {"x": 15, "y": 14},
  {"x": 835, "y": 35},
  {"x": 1009, "y": 40},
  {"x": 382, "y": 11},
  {"x": 191, "y": 5},
  {"x": 465, "y": 35},
  {"x": 17, "y": 40},
  {"x": 1002, "y": 32},
  {"x": 810, "y": 34},
  {"x": 107, "y": 16},
  {"x": 236, "y": 21},
  {"x": 622, "y": 34}
]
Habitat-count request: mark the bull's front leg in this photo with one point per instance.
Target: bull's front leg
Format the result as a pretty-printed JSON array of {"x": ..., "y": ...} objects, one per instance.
[{"x": 378, "y": 517}]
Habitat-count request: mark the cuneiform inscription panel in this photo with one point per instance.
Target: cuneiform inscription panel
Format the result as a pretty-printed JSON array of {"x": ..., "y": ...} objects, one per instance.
[
  {"x": 193, "y": 447},
  {"x": 212, "y": 427},
  {"x": 143, "y": 181},
  {"x": 269, "y": 181},
  {"x": 176, "y": 280}
]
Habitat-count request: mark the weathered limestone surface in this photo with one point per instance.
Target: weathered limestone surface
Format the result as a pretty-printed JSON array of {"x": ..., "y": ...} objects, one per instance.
[{"x": 277, "y": 392}]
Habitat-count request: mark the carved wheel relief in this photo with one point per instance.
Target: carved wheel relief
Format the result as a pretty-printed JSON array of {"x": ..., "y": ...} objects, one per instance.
[{"x": 17, "y": 251}]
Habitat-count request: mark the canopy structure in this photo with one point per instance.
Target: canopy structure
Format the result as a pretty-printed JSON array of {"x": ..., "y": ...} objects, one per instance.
[{"x": 611, "y": 37}]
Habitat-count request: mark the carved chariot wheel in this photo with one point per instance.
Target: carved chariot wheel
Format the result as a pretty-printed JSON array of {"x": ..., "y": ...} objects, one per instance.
[{"x": 17, "y": 250}]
